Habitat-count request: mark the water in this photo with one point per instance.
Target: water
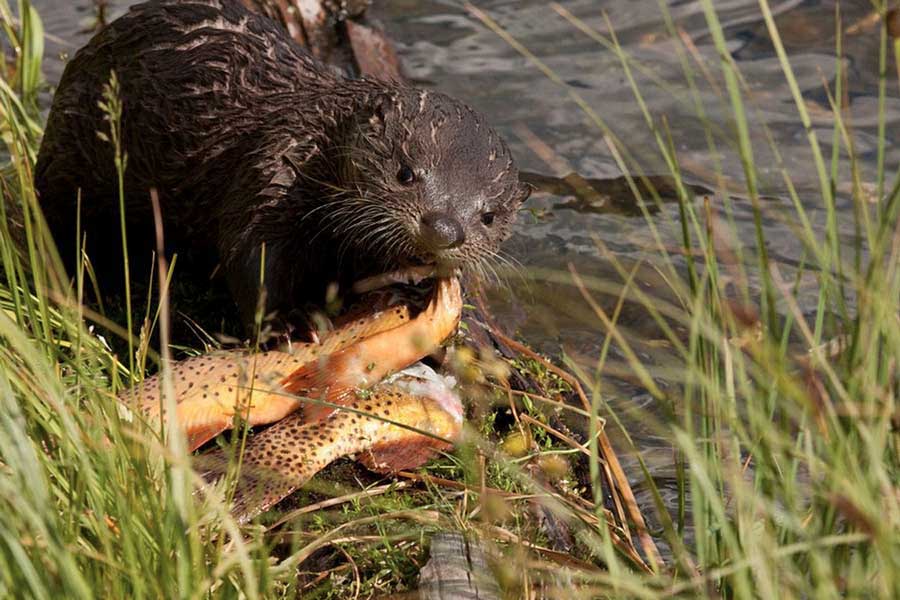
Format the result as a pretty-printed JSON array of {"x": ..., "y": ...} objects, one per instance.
[{"x": 447, "y": 48}]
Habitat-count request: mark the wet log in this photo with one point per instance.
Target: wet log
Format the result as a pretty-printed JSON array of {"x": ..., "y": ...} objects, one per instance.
[
  {"x": 337, "y": 32},
  {"x": 457, "y": 570}
]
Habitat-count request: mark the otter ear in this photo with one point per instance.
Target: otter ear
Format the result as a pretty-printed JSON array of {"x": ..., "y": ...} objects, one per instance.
[
  {"x": 383, "y": 108},
  {"x": 376, "y": 122},
  {"x": 522, "y": 193}
]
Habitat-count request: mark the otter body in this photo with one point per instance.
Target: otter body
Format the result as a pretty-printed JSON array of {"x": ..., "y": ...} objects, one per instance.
[{"x": 251, "y": 144}]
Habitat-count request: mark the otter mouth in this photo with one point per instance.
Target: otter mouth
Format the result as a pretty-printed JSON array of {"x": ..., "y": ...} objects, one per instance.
[
  {"x": 413, "y": 275},
  {"x": 412, "y": 270}
]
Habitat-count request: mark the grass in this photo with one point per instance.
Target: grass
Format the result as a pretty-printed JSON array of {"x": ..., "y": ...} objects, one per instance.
[{"x": 783, "y": 424}]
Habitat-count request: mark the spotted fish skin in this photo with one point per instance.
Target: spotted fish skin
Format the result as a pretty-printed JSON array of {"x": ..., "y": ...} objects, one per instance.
[
  {"x": 285, "y": 456},
  {"x": 212, "y": 388}
]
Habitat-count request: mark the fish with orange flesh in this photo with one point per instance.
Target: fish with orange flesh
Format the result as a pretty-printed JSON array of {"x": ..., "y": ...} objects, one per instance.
[
  {"x": 397, "y": 425},
  {"x": 335, "y": 376},
  {"x": 211, "y": 389}
]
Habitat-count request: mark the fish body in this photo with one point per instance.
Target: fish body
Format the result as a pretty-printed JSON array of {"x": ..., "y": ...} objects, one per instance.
[
  {"x": 396, "y": 425},
  {"x": 262, "y": 388},
  {"x": 211, "y": 389},
  {"x": 335, "y": 376}
]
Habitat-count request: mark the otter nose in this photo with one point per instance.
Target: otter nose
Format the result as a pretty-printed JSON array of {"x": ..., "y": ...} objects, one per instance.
[{"x": 440, "y": 231}]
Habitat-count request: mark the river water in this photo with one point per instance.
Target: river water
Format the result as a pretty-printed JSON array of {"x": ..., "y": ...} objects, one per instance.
[{"x": 444, "y": 45}]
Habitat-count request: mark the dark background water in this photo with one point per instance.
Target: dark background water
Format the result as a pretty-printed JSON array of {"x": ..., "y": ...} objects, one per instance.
[{"x": 445, "y": 47}]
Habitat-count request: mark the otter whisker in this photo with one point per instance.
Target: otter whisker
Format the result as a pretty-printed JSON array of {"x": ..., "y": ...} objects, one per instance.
[{"x": 513, "y": 266}]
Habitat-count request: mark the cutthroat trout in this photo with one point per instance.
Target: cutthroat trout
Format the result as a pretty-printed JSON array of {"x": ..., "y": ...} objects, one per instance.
[{"x": 262, "y": 388}]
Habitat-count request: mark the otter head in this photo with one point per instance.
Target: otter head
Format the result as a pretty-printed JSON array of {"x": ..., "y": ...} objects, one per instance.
[{"x": 430, "y": 181}]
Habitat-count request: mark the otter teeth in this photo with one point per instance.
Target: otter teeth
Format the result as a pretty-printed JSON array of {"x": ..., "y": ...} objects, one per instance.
[{"x": 408, "y": 275}]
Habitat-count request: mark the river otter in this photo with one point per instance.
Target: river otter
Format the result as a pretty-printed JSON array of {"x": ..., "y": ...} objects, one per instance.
[{"x": 251, "y": 142}]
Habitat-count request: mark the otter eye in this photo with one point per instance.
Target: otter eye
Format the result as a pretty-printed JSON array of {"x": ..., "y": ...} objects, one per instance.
[
  {"x": 488, "y": 218},
  {"x": 406, "y": 175}
]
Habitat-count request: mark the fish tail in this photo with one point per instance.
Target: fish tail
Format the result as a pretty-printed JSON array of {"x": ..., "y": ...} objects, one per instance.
[
  {"x": 276, "y": 462},
  {"x": 257, "y": 488}
]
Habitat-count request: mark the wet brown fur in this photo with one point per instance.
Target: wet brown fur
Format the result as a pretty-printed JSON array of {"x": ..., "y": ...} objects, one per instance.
[{"x": 250, "y": 141}]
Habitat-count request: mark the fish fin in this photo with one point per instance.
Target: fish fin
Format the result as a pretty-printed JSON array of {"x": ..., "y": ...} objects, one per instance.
[
  {"x": 319, "y": 379},
  {"x": 211, "y": 466},
  {"x": 264, "y": 481},
  {"x": 342, "y": 369},
  {"x": 314, "y": 378},
  {"x": 257, "y": 490},
  {"x": 313, "y": 411},
  {"x": 334, "y": 379},
  {"x": 311, "y": 379},
  {"x": 390, "y": 457},
  {"x": 200, "y": 435}
]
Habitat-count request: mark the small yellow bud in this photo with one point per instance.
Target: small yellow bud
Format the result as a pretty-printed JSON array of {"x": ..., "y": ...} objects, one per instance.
[
  {"x": 516, "y": 444},
  {"x": 495, "y": 509},
  {"x": 554, "y": 466}
]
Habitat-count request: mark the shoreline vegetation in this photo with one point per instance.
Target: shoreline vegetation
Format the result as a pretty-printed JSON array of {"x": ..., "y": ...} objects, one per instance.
[{"x": 784, "y": 424}]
